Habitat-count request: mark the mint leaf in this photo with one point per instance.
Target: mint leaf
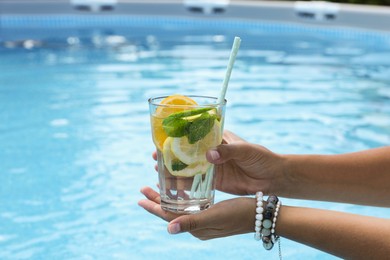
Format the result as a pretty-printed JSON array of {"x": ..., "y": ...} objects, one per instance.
[
  {"x": 200, "y": 127},
  {"x": 175, "y": 127},
  {"x": 178, "y": 165},
  {"x": 189, "y": 113}
]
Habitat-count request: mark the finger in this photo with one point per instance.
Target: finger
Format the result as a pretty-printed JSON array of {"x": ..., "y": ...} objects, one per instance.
[
  {"x": 152, "y": 204},
  {"x": 151, "y": 194},
  {"x": 230, "y": 137},
  {"x": 154, "y": 155},
  {"x": 196, "y": 222},
  {"x": 213, "y": 156},
  {"x": 225, "y": 152},
  {"x": 155, "y": 209},
  {"x": 186, "y": 223}
]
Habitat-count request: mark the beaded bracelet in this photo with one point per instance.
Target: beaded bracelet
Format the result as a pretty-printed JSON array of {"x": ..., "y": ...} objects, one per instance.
[
  {"x": 265, "y": 222},
  {"x": 269, "y": 223},
  {"x": 259, "y": 214}
]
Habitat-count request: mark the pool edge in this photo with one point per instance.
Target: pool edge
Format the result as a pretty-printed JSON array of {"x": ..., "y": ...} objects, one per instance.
[{"x": 355, "y": 16}]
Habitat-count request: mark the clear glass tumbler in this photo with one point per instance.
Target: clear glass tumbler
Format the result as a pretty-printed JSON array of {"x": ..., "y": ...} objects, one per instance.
[{"x": 183, "y": 129}]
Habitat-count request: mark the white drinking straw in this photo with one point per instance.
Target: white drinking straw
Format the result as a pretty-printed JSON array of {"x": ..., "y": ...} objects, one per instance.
[
  {"x": 233, "y": 54},
  {"x": 203, "y": 189}
]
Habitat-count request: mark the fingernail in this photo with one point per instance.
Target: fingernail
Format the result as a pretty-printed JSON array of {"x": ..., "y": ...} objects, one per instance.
[
  {"x": 174, "y": 228},
  {"x": 214, "y": 154}
]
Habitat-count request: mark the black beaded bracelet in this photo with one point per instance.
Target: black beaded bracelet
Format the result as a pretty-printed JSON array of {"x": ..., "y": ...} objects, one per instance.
[
  {"x": 266, "y": 218},
  {"x": 269, "y": 223}
]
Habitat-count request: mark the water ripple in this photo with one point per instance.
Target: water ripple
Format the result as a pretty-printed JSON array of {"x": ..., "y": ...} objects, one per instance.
[{"x": 76, "y": 146}]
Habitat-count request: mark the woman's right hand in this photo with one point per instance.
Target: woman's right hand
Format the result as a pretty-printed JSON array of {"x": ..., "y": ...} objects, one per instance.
[{"x": 243, "y": 168}]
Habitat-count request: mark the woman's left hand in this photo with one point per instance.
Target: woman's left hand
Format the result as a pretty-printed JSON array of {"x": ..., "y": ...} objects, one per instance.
[{"x": 226, "y": 218}]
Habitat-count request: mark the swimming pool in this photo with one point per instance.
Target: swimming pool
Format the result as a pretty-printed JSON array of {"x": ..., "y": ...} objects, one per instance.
[{"x": 75, "y": 138}]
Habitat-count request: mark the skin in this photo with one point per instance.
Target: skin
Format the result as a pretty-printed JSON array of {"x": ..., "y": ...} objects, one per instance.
[
  {"x": 244, "y": 168},
  {"x": 359, "y": 178}
]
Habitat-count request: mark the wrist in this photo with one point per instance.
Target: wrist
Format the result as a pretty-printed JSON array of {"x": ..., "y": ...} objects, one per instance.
[
  {"x": 250, "y": 214},
  {"x": 300, "y": 178},
  {"x": 287, "y": 179},
  {"x": 282, "y": 176}
]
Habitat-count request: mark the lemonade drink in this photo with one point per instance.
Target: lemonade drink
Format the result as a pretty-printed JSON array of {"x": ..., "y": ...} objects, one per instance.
[{"x": 183, "y": 129}]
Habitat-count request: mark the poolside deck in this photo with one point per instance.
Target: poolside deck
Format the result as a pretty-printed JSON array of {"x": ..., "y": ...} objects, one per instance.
[{"x": 358, "y": 16}]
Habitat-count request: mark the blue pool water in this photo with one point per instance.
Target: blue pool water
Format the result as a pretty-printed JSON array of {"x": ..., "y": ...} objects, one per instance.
[{"x": 75, "y": 142}]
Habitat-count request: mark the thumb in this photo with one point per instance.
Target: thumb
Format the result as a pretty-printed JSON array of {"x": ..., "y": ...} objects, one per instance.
[
  {"x": 226, "y": 152},
  {"x": 186, "y": 223}
]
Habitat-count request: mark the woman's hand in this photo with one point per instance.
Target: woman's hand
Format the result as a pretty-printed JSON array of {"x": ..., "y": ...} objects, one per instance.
[
  {"x": 243, "y": 168},
  {"x": 226, "y": 218}
]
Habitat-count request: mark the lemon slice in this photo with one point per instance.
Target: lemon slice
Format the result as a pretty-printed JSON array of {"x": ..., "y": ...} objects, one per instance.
[
  {"x": 192, "y": 170},
  {"x": 196, "y": 153},
  {"x": 189, "y": 170},
  {"x": 169, "y": 105}
]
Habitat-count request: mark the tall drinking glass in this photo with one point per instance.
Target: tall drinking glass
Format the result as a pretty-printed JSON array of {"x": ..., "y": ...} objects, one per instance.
[{"x": 183, "y": 129}]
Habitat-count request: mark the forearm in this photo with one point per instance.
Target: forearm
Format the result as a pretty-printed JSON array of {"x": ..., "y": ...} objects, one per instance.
[
  {"x": 345, "y": 235},
  {"x": 360, "y": 178}
]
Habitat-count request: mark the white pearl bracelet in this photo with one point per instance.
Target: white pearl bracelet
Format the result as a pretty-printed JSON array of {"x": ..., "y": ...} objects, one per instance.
[
  {"x": 273, "y": 236},
  {"x": 259, "y": 215}
]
